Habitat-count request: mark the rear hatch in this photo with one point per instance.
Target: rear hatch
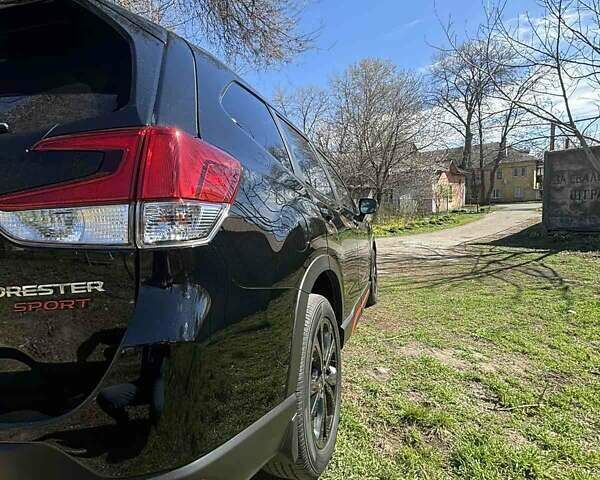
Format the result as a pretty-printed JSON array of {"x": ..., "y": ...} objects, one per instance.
[{"x": 63, "y": 310}]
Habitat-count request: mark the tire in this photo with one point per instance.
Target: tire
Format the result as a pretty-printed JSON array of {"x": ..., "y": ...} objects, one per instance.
[
  {"x": 315, "y": 452},
  {"x": 374, "y": 288}
]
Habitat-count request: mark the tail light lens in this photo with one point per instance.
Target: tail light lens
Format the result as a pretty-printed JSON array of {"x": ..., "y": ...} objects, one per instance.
[
  {"x": 177, "y": 165},
  {"x": 168, "y": 223},
  {"x": 104, "y": 225},
  {"x": 181, "y": 186},
  {"x": 186, "y": 188}
]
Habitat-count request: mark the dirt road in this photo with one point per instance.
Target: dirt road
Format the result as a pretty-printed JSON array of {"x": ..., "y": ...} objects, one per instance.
[{"x": 393, "y": 252}]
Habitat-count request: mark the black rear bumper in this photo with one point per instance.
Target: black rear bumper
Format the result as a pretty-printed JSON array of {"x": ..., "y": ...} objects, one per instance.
[{"x": 238, "y": 459}]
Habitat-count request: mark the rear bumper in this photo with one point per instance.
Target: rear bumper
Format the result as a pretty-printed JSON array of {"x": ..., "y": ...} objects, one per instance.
[{"x": 238, "y": 459}]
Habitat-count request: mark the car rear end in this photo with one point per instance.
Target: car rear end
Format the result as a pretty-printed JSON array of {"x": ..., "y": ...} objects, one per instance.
[
  {"x": 57, "y": 194},
  {"x": 105, "y": 192}
]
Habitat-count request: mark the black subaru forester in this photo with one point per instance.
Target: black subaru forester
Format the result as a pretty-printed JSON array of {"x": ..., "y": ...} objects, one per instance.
[{"x": 180, "y": 267}]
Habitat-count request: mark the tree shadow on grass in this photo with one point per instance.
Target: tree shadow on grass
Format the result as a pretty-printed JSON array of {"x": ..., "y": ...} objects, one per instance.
[
  {"x": 519, "y": 260},
  {"x": 537, "y": 238},
  {"x": 521, "y": 269}
]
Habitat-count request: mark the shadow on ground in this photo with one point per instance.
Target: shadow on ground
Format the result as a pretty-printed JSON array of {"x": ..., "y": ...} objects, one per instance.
[
  {"x": 480, "y": 264},
  {"x": 536, "y": 237},
  {"x": 523, "y": 253}
]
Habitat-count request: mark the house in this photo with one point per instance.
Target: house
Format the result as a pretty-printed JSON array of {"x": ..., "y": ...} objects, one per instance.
[
  {"x": 517, "y": 178},
  {"x": 430, "y": 182}
]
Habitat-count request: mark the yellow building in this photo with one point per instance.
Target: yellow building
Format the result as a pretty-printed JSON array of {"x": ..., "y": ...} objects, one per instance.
[{"x": 516, "y": 179}]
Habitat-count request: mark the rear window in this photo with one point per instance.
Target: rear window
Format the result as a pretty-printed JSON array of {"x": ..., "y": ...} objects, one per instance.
[
  {"x": 59, "y": 64},
  {"x": 309, "y": 165},
  {"x": 253, "y": 116}
]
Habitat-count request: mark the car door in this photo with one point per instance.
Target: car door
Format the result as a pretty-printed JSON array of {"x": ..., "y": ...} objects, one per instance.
[
  {"x": 361, "y": 229},
  {"x": 357, "y": 228},
  {"x": 341, "y": 230},
  {"x": 364, "y": 239}
]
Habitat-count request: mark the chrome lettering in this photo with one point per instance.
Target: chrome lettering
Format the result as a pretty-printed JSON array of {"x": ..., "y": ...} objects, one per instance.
[
  {"x": 75, "y": 288},
  {"x": 98, "y": 286},
  {"x": 30, "y": 290}
]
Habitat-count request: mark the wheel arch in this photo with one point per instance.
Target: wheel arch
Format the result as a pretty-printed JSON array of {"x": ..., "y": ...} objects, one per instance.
[{"x": 323, "y": 276}]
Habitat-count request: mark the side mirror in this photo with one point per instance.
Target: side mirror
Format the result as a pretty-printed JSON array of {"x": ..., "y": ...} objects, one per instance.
[{"x": 367, "y": 206}]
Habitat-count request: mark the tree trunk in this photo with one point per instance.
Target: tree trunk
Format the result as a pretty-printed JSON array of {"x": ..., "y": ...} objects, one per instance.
[
  {"x": 481, "y": 159},
  {"x": 497, "y": 161},
  {"x": 482, "y": 196},
  {"x": 492, "y": 185},
  {"x": 466, "y": 157},
  {"x": 378, "y": 196}
]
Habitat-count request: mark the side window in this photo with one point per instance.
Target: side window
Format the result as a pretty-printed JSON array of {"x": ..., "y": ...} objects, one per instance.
[
  {"x": 341, "y": 189},
  {"x": 307, "y": 161},
  {"x": 252, "y": 115}
]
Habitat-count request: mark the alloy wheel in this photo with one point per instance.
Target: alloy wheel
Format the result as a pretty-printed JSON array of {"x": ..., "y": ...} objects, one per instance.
[{"x": 323, "y": 383}]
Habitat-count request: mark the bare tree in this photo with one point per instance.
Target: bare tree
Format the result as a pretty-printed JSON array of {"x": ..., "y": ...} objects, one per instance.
[
  {"x": 512, "y": 129},
  {"x": 505, "y": 120},
  {"x": 378, "y": 117},
  {"x": 310, "y": 109},
  {"x": 487, "y": 91},
  {"x": 459, "y": 85},
  {"x": 258, "y": 32},
  {"x": 559, "y": 54}
]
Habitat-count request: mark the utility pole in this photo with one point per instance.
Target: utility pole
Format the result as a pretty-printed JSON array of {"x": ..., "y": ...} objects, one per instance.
[{"x": 552, "y": 136}]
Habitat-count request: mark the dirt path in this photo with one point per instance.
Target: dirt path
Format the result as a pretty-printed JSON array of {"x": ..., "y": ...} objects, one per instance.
[{"x": 396, "y": 252}]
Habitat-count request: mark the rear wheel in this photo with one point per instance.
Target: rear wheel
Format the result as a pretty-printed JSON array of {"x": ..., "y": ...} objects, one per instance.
[{"x": 318, "y": 395}]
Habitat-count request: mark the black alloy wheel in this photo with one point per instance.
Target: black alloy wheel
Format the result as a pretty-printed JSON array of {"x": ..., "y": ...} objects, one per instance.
[
  {"x": 318, "y": 394},
  {"x": 323, "y": 382}
]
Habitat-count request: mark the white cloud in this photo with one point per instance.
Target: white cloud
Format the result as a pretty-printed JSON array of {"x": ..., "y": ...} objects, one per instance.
[{"x": 413, "y": 23}]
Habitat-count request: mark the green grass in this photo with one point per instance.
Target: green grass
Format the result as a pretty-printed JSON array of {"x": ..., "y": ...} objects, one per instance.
[
  {"x": 482, "y": 368},
  {"x": 403, "y": 226}
]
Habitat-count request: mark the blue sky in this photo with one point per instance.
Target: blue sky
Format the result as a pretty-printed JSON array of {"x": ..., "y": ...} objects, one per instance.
[{"x": 397, "y": 30}]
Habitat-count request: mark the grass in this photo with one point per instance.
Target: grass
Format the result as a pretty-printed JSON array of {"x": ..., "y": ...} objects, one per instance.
[
  {"x": 486, "y": 367},
  {"x": 404, "y": 226}
]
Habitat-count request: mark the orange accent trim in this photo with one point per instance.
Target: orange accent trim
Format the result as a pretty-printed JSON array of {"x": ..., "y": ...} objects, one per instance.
[{"x": 359, "y": 310}]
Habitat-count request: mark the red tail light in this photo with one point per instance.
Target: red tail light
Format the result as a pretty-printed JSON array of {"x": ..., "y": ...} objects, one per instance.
[
  {"x": 117, "y": 187},
  {"x": 177, "y": 165},
  {"x": 194, "y": 181}
]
